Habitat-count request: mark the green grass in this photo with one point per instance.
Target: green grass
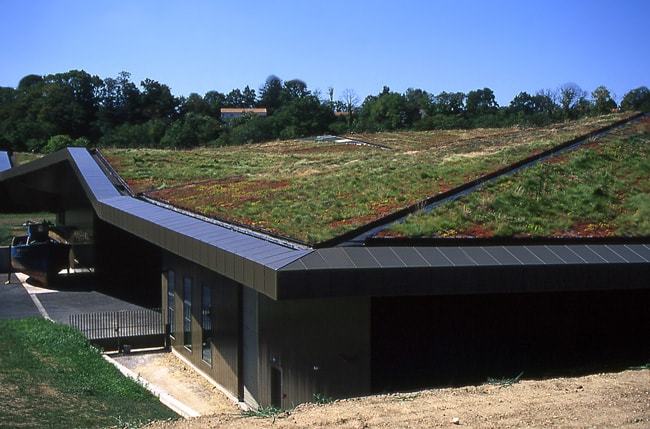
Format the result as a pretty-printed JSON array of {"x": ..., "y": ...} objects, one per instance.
[
  {"x": 600, "y": 190},
  {"x": 11, "y": 224},
  {"x": 51, "y": 378},
  {"x": 506, "y": 381},
  {"x": 25, "y": 157},
  {"x": 315, "y": 191}
]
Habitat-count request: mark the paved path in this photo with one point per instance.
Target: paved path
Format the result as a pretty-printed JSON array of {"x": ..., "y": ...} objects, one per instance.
[
  {"x": 60, "y": 305},
  {"x": 174, "y": 377},
  {"x": 15, "y": 302}
]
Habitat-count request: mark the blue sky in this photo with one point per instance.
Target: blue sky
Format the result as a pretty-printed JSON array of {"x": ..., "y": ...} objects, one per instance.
[{"x": 196, "y": 46}]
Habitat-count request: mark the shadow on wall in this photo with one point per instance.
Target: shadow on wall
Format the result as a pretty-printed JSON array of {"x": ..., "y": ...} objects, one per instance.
[{"x": 460, "y": 340}]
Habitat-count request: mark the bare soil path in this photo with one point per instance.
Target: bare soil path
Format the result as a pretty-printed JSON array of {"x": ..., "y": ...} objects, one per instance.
[{"x": 601, "y": 400}]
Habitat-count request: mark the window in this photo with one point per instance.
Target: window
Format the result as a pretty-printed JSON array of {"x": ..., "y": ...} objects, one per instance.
[
  {"x": 171, "y": 287},
  {"x": 187, "y": 313},
  {"x": 206, "y": 323}
]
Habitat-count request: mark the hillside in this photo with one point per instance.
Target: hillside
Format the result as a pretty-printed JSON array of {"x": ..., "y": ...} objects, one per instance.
[{"x": 600, "y": 400}]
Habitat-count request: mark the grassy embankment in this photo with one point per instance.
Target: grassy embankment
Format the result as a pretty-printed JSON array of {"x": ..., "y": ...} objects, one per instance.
[
  {"x": 315, "y": 191},
  {"x": 11, "y": 224},
  {"x": 51, "y": 378},
  {"x": 600, "y": 190}
]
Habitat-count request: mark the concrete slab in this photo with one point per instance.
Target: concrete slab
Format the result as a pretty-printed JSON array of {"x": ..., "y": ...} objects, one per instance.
[
  {"x": 16, "y": 303},
  {"x": 60, "y": 305},
  {"x": 180, "y": 381}
]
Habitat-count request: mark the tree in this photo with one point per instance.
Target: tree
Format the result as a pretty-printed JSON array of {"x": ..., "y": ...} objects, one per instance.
[
  {"x": 194, "y": 103},
  {"x": 157, "y": 100},
  {"x": 569, "y": 96},
  {"x": 419, "y": 100},
  {"x": 119, "y": 102},
  {"x": 603, "y": 101},
  {"x": 481, "y": 102},
  {"x": 350, "y": 100},
  {"x": 56, "y": 143},
  {"x": 637, "y": 99},
  {"x": 190, "y": 131},
  {"x": 270, "y": 94},
  {"x": 249, "y": 97},
  {"x": 235, "y": 99},
  {"x": 29, "y": 80},
  {"x": 449, "y": 103},
  {"x": 294, "y": 89},
  {"x": 387, "y": 111},
  {"x": 215, "y": 101}
]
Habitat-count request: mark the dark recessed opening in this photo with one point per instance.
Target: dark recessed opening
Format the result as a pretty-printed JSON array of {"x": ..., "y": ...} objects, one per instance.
[
  {"x": 276, "y": 387},
  {"x": 459, "y": 340}
]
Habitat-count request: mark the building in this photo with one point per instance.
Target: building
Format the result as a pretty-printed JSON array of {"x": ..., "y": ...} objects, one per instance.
[
  {"x": 275, "y": 321},
  {"x": 229, "y": 113}
]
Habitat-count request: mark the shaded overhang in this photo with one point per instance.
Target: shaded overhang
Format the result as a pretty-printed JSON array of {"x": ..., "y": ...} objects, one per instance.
[
  {"x": 290, "y": 272},
  {"x": 460, "y": 270}
]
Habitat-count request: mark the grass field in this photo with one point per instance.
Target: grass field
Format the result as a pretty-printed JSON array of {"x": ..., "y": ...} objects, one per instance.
[
  {"x": 315, "y": 191},
  {"x": 10, "y": 224},
  {"x": 600, "y": 190},
  {"x": 51, "y": 378}
]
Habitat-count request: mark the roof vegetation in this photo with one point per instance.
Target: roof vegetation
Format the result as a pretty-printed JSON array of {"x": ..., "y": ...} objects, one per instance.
[
  {"x": 599, "y": 190},
  {"x": 314, "y": 191}
]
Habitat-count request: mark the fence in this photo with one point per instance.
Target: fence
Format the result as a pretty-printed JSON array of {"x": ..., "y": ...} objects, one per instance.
[{"x": 113, "y": 330}]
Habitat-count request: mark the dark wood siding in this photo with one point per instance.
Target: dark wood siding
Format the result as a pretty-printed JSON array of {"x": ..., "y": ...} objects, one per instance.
[
  {"x": 319, "y": 346},
  {"x": 225, "y": 312}
]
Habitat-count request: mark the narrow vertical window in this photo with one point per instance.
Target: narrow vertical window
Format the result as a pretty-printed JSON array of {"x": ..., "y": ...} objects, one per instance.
[
  {"x": 187, "y": 313},
  {"x": 171, "y": 287},
  {"x": 206, "y": 323}
]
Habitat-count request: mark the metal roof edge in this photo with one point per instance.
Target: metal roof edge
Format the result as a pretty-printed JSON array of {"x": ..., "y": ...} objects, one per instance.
[{"x": 128, "y": 213}]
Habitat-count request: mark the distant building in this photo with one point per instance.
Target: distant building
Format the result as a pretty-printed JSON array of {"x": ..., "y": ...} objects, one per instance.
[
  {"x": 341, "y": 114},
  {"x": 229, "y": 113}
]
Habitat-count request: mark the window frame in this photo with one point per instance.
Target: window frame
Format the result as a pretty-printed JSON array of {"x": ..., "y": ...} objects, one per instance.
[
  {"x": 171, "y": 302},
  {"x": 187, "y": 312},
  {"x": 206, "y": 315}
]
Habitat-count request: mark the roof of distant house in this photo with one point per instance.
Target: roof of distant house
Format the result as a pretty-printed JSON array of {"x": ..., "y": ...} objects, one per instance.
[{"x": 243, "y": 110}]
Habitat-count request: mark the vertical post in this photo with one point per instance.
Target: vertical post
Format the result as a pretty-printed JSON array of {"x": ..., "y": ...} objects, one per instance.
[{"x": 117, "y": 331}]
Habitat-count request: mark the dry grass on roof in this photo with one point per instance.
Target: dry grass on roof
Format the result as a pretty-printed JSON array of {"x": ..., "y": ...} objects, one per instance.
[{"x": 314, "y": 191}]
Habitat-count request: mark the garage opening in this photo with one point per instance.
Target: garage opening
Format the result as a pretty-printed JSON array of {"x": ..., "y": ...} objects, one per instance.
[{"x": 427, "y": 341}]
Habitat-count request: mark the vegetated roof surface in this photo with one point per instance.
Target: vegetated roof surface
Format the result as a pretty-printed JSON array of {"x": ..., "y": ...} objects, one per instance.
[
  {"x": 314, "y": 191},
  {"x": 599, "y": 190},
  {"x": 25, "y": 157}
]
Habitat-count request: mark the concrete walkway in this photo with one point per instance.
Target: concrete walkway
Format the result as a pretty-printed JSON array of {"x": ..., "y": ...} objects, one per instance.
[
  {"x": 16, "y": 303},
  {"x": 60, "y": 304},
  {"x": 170, "y": 374}
]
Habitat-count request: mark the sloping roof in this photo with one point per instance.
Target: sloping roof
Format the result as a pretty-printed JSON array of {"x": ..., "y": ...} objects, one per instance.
[
  {"x": 5, "y": 161},
  {"x": 244, "y": 258},
  {"x": 323, "y": 193},
  {"x": 286, "y": 272}
]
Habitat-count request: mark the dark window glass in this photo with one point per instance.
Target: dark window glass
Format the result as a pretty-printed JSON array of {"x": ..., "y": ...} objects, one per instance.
[
  {"x": 206, "y": 323},
  {"x": 171, "y": 287},
  {"x": 187, "y": 312}
]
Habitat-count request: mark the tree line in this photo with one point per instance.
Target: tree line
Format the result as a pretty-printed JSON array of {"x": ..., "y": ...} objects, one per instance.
[{"x": 46, "y": 113}]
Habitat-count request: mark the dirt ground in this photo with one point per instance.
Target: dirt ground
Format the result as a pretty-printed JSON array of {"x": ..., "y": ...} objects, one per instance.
[{"x": 600, "y": 400}]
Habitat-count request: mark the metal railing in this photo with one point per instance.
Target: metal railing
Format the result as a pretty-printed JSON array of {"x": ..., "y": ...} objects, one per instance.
[{"x": 138, "y": 328}]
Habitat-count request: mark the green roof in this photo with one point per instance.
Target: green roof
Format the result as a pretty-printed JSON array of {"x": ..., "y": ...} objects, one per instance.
[
  {"x": 600, "y": 190},
  {"x": 314, "y": 191}
]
